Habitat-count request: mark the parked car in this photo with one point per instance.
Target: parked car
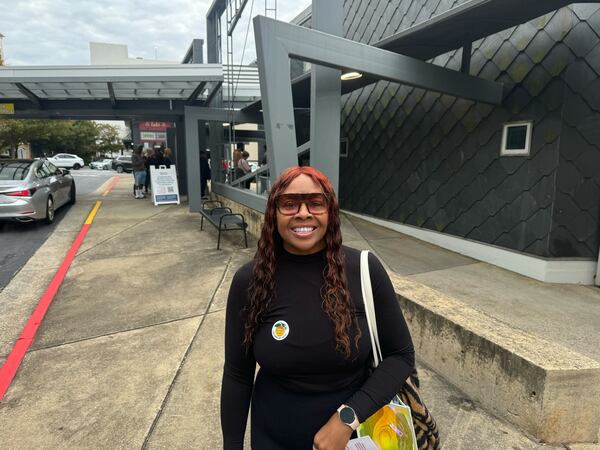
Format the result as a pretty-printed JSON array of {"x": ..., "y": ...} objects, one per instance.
[
  {"x": 104, "y": 164},
  {"x": 67, "y": 161},
  {"x": 33, "y": 189},
  {"x": 122, "y": 164}
]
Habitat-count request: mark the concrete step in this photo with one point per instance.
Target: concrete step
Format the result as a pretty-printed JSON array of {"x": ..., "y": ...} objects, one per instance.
[{"x": 547, "y": 390}]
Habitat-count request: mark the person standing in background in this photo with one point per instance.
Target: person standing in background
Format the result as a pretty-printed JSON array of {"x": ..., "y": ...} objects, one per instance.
[
  {"x": 237, "y": 155},
  {"x": 150, "y": 155},
  {"x": 204, "y": 172},
  {"x": 244, "y": 168},
  {"x": 168, "y": 159},
  {"x": 139, "y": 172}
]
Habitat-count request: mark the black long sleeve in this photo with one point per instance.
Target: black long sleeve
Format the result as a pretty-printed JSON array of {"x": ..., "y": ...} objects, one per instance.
[
  {"x": 305, "y": 362},
  {"x": 238, "y": 372}
]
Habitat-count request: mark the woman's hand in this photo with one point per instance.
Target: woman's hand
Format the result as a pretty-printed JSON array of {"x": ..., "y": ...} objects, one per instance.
[{"x": 334, "y": 435}]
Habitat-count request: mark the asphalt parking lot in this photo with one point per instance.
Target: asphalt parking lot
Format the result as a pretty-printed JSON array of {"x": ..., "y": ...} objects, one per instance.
[{"x": 21, "y": 240}]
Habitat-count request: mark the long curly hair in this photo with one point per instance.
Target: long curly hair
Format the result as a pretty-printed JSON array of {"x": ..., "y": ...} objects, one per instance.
[{"x": 335, "y": 296}]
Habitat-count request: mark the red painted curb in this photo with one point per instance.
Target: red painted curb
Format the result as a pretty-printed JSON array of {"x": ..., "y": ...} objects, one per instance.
[{"x": 13, "y": 362}]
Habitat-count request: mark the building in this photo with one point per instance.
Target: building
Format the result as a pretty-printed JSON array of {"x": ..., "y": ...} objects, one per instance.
[
  {"x": 516, "y": 184},
  {"x": 147, "y": 133},
  {"x": 108, "y": 54}
]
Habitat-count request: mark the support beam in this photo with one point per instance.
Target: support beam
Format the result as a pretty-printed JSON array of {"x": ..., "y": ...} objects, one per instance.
[
  {"x": 213, "y": 92},
  {"x": 192, "y": 98},
  {"x": 222, "y": 115},
  {"x": 236, "y": 15},
  {"x": 277, "y": 41},
  {"x": 465, "y": 65},
  {"x": 192, "y": 154},
  {"x": 276, "y": 92},
  {"x": 30, "y": 95},
  {"x": 111, "y": 94},
  {"x": 325, "y": 96},
  {"x": 336, "y": 52}
]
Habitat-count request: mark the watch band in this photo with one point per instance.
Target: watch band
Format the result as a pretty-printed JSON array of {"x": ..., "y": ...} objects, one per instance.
[{"x": 355, "y": 423}]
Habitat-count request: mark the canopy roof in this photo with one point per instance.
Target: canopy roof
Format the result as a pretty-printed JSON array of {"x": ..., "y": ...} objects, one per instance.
[{"x": 129, "y": 82}]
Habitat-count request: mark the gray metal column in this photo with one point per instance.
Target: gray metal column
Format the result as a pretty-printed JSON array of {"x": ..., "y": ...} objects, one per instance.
[
  {"x": 325, "y": 96},
  {"x": 276, "y": 93},
  {"x": 192, "y": 152},
  {"x": 212, "y": 46},
  {"x": 180, "y": 156}
]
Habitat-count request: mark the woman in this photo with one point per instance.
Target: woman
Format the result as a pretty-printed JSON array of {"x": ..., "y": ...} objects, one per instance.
[
  {"x": 297, "y": 311},
  {"x": 168, "y": 158},
  {"x": 139, "y": 172},
  {"x": 148, "y": 161},
  {"x": 243, "y": 168}
]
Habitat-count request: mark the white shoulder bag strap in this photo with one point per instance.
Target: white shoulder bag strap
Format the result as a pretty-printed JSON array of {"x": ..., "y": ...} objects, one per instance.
[{"x": 367, "y": 294}]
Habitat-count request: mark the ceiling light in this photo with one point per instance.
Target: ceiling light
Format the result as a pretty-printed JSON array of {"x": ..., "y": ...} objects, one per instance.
[{"x": 351, "y": 76}]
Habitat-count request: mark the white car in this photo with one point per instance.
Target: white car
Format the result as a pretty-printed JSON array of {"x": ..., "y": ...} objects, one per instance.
[
  {"x": 66, "y": 161},
  {"x": 105, "y": 164}
]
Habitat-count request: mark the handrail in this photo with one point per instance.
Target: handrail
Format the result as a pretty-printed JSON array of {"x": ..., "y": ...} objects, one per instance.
[{"x": 250, "y": 176}]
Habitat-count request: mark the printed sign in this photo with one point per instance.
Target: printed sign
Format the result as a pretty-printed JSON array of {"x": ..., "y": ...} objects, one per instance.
[
  {"x": 164, "y": 185},
  {"x": 7, "y": 108}
]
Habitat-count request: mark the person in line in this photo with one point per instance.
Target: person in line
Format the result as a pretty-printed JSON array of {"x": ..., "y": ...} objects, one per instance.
[
  {"x": 243, "y": 168},
  {"x": 297, "y": 311},
  {"x": 148, "y": 162},
  {"x": 237, "y": 155},
  {"x": 204, "y": 172},
  {"x": 168, "y": 157},
  {"x": 139, "y": 172}
]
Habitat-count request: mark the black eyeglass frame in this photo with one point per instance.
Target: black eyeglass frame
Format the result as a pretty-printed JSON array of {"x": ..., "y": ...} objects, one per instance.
[{"x": 303, "y": 199}]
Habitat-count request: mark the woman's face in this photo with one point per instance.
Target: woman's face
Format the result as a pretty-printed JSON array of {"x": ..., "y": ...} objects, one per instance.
[{"x": 303, "y": 233}]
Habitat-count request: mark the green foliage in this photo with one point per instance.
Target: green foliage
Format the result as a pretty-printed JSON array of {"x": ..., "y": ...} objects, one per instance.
[
  {"x": 108, "y": 139},
  {"x": 80, "y": 137}
]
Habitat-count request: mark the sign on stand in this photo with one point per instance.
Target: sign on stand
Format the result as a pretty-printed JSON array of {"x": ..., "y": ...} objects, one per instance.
[{"x": 164, "y": 187}]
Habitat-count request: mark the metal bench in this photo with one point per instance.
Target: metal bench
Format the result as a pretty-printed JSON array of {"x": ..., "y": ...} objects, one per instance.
[{"x": 222, "y": 218}]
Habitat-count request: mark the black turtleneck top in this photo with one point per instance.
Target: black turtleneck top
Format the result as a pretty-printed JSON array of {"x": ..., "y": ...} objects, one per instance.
[{"x": 305, "y": 361}]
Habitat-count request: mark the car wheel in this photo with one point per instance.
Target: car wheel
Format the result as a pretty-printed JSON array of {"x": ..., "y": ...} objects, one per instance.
[
  {"x": 49, "y": 210},
  {"x": 72, "y": 195},
  {"x": 76, "y": 166},
  {"x": 119, "y": 169}
]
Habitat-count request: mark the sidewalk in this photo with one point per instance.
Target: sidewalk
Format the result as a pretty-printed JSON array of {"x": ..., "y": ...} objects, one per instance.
[{"x": 130, "y": 353}]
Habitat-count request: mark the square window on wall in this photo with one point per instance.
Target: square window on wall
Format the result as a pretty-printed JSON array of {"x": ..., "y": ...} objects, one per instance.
[{"x": 516, "y": 138}]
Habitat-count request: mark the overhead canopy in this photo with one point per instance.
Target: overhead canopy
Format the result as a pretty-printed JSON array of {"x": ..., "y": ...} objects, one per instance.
[
  {"x": 164, "y": 82},
  {"x": 123, "y": 91}
]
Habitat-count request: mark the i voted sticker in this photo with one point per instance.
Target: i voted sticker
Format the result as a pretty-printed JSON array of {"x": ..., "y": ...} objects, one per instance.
[{"x": 280, "y": 330}]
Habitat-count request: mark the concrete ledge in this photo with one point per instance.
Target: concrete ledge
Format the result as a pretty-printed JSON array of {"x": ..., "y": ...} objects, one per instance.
[
  {"x": 253, "y": 217},
  {"x": 547, "y": 390}
]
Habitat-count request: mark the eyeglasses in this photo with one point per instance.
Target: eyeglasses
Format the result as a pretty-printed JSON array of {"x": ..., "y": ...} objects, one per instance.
[{"x": 289, "y": 204}]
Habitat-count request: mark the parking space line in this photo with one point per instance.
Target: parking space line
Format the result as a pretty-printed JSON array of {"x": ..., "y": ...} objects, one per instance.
[
  {"x": 15, "y": 357},
  {"x": 112, "y": 184}
]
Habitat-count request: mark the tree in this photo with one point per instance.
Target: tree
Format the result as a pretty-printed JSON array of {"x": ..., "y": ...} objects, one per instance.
[
  {"x": 15, "y": 131},
  {"x": 108, "y": 139},
  {"x": 80, "y": 137}
]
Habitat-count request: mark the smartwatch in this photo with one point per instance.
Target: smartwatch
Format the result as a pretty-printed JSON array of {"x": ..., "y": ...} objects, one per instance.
[{"x": 348, "y": 416}]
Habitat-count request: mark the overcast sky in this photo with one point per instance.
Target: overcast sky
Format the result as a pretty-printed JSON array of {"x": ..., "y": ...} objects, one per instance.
[{"x": 58, "y": 32}]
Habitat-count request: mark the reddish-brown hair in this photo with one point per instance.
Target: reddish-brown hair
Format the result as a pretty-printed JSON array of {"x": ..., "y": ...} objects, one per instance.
[{"x": 335, "y": 297}]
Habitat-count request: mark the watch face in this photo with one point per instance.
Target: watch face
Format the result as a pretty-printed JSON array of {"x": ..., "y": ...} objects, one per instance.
[{"x": 347, "y": 415}]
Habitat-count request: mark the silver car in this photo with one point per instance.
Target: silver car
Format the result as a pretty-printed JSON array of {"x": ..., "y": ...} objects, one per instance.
[
  {"x": 33, "y": 189},
  {"x": 105, "y": 164}
]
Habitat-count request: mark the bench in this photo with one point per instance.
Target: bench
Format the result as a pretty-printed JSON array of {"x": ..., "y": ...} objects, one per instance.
[{"x": 222, "y": 218}]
